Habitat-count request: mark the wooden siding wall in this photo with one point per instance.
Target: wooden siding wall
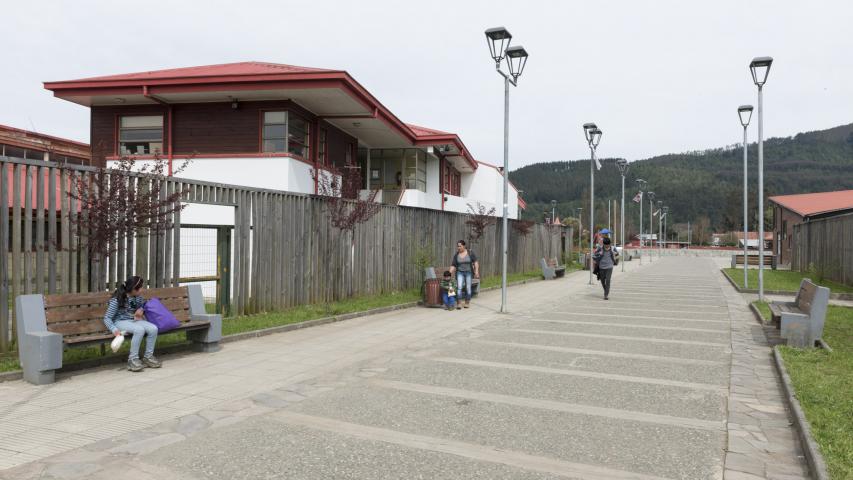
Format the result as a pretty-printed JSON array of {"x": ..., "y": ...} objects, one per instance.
[
  {"x": 828, "y": 245},
  {"x": 209, "y": 128},
  {"x": 286, "y": 252}
]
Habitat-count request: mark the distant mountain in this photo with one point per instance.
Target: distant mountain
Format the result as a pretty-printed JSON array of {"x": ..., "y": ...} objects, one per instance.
[{"x": 697, "y": 184}]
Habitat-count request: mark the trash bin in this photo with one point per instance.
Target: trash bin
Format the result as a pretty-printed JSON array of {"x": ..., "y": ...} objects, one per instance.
[{"x": 432, "y": 292}]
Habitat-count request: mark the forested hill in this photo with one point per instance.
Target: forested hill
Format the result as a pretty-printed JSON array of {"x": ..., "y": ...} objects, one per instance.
[{"x": 695, "y": 184}]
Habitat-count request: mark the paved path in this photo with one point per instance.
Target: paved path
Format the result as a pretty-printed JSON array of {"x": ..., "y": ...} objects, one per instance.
[{"x": 668, "y": 379}]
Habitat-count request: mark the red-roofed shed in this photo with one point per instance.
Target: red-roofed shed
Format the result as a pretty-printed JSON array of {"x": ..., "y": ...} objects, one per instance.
[{"x": 789, "y": 210}]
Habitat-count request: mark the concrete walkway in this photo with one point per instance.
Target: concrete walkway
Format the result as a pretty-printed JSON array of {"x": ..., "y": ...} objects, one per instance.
[{"x": 668, "y": 379}]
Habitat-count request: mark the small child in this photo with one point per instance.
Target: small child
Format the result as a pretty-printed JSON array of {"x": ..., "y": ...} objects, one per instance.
[{"x": 448, "y": 291}]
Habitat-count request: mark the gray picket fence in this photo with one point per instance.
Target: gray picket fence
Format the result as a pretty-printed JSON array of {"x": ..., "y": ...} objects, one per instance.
[{"x": 825, "y": 245}]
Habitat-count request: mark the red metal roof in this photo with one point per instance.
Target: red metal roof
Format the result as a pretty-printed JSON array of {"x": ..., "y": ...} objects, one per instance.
[
  {"x": 249, "y": 75},
  {"x": 810, "y": 204},
  {"x": 224, "y": 69}
]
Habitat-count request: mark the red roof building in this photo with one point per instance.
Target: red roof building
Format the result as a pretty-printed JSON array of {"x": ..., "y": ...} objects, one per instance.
[
  {"x": 267, "y": 125},
  {"x": 29, "y": 145},
  {"x": 789, "y": 210}
]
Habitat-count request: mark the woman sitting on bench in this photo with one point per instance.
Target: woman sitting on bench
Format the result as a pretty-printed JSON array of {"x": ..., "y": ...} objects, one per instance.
[{"x": 125, "y": 314}]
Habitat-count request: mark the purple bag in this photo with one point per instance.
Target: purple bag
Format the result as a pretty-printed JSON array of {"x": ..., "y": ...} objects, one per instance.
[{"x": 159, "y": 315}]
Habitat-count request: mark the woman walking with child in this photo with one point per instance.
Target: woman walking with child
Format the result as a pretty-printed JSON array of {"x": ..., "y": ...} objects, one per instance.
[{"x": 466, "y": 267}]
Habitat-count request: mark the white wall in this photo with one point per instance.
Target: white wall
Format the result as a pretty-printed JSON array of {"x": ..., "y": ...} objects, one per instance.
[{"x": 485, "y": 186}]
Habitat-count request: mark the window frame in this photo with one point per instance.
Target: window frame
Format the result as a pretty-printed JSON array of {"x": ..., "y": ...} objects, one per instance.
[
  {"x": 306, "y": 144},
  {"x": 119, "y": 129}
]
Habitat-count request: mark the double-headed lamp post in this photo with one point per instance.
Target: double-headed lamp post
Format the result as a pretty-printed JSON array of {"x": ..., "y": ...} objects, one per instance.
[
  {"x": 660, "y": 225},
  {"x": 760, "y": 68},
  {"x": 665, "y": 212},
  {"x": 642, "y": 186},
  {"x": 498, "y": 40},
  {"x": 553, "y": 210},
  {"x": 593, "y": 136},
  {"x": 744, "y": 112},
  {"x": 651, "y": 196},
  {"x": 622, "y": 165}
]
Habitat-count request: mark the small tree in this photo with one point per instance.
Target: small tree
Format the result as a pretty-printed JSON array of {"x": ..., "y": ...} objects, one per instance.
[
  {"x": 478, "y": 220},
  {"x": 523, "y": 227},
  {"x": 347, "y": 209},
  {"x": 112, "y": 206}
]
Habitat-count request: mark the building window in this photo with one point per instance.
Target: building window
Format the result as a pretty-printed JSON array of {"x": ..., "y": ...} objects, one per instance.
[
  {"x": 321, "y": 148},
  {"x": 451, "y": 180},
  {"x": 297, "y": 138},
  {"x": 285, "y": 132},
  {"x": 140, "y": 135},
  {"x": 415, "y": 169}
]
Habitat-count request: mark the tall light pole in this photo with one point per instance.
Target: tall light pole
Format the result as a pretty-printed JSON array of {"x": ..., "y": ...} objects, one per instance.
[
  {"x": 593, "y": 136},
  {"x": 744, "y": 112},
  {"x": 498, "y": 40},
  {"x": 622, "y": 164},
  {"x": 760, "y": 68},
  {"x": 660, "y": 226},
  {"x": 651, "y": 196},
  {"x": 665, "y": 212},
  {"x": 580, "y": 230},
  {"x": 553, "y": 210},
  {"x": 642, "y": 185}
]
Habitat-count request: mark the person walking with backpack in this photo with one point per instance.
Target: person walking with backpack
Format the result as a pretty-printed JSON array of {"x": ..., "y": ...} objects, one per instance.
[{"x": 605, "y": 258}]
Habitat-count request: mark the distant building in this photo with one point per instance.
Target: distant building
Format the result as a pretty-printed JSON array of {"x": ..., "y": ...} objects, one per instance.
[
  {"x": 29, "y": 145},
  {"x": 790, "y": 210}
]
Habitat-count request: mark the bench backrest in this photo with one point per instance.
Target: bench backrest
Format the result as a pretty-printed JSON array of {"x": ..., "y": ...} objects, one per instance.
[
  {"x": 553, "y": 263},
  {"x": 806, "y": 295},
  {"x": 76, "y": 314}
]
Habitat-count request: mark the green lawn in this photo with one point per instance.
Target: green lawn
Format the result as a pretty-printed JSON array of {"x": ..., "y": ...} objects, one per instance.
[
  {"x": 782, "y": 280},
  {"x": 233, "y": 325},
  {"x": 824, "y": 385}
]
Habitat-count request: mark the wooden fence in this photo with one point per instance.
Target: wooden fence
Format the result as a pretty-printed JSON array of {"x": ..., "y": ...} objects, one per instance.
[
  {"x": 825, "y": 245},
  {"x": 286, "y": 253}
]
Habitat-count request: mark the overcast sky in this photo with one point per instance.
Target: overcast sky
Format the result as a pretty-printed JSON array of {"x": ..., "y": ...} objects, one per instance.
[{"x": 656, "y": 76}]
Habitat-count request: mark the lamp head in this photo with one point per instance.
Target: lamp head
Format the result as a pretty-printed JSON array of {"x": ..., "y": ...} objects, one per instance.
[
  {"x": 642, "y": 184},
  {"x": 660, "y": 203},
  {"x": 745, "y": 114},
  {"x": 651, "y": 196},
  {"x": 516, "y": 59},
  {"x": 498, "y": 39},
  {"x": 622, "y": 165},
  {"x": 587, "y": 127},
  {"x": 760, "y": 68},
  {"x": 594, "y": 137}
]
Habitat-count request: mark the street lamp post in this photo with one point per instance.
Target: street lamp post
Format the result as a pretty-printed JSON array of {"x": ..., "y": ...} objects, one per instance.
[
  {"x": 651, "y": 223},
  {"x": 580, "y": 231},
  {"x": 553, "y": 209},
  {"x": 760, "y": 68},
  {"x": 593, "y": 136},
  {"x": 665, "y": 211},
  {"x": 622, "y": 164},
  {"x": 744, "y": 112},
  {"x": 498, "y": 40},
  {"x": 642, "y": 185},
  {"x": 660, "y": 226}
]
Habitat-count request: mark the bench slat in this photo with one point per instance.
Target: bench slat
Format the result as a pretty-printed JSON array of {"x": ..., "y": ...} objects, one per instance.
[
  {"x": 77, "y": 299},
  {"x": 103, "y": 337},
  {"x": 69, "y": 314},
  {"x": 96, "y": 325}
]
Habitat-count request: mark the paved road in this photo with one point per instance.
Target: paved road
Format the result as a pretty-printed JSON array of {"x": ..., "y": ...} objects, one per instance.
[{"x": 567, "y": 386}]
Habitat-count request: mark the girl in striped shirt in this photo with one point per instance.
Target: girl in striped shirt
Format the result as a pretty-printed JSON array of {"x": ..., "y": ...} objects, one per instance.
[{"x": 125, "y": 314}]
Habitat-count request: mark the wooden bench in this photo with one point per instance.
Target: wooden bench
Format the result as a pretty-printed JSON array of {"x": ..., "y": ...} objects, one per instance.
[
  {"x": 769, "y": 260},
  {"x": 801, "y": 321},
  {"x": 49, "y": 324},
  {"x": 552, "y": 269}
]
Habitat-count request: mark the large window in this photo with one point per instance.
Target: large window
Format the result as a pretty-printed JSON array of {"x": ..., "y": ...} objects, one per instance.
[
  {"x": 415, "y": 169},
  {"x": 140, "y": 135},
  {"x": 321, "y": 148},
  {"x": 398, "y": 169},
  {"x": 286, "y": 132},
  {"x": 452, "y": 183}
]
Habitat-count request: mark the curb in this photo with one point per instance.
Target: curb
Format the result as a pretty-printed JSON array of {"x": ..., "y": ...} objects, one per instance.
[
  {"x": 817, "y": 466},
  {"x": 186, "y": 347},
  {"x": 832, "y": 296}
]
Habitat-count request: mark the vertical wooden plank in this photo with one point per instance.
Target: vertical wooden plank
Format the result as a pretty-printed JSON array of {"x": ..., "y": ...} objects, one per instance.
[
  {"x": 65, "y": 232},
  {"x": 254, "y": 284},
  {"x": 51, "y": 230},
  {"x": 28, "y": 230},
  {"x": 167, "y": 239},
  {"x": 129, "y": 237},
  {"x": 237, "y": 284},
  {"x": 74, "y": 216},
  {"x": 142, "y": 235},
  {"x": 176, "y": 243},
  {"x": 85, "y": 266},
  {"x": 40, "y": 230},
  {"x": 5, "y": 331},
  {"x": 16, "y": 232}
]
